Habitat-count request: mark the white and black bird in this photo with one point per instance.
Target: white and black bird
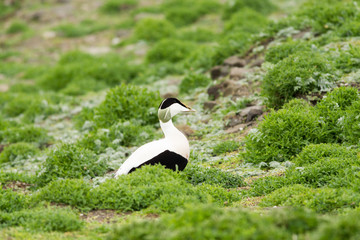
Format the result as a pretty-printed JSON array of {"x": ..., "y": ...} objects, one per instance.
[{"x": 172, "y": 151}]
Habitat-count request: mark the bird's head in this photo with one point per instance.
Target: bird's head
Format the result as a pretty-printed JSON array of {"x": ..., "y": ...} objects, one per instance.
[{"x": 170, "y": 107}]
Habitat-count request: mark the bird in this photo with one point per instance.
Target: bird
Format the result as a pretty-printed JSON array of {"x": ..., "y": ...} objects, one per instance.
[{"x": 172, "y": 151}]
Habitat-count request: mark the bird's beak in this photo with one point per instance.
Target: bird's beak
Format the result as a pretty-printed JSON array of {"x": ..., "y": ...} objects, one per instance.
[{"x": 191, "y": 110}]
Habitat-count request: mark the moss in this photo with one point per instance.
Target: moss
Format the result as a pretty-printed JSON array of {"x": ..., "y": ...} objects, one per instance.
[
  {"x": 152, "y": 30},
  {"x": 192, "y": 81},
  {"x": 70, "y": 161},
  {"x": 171, "y": 50},
  {"x": 297, "y": 74},
  {"x": 17, "y": 151}
]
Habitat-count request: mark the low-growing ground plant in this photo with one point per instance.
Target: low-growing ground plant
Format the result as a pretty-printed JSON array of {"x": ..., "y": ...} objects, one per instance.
[
  {"x": 27, "y": 133},
  {"x": 197, "y": 175},
  {"x": 152, "y": 29},
  {"x": 117, "y": 6},
  {"x": 320, "y": 200},
  {"x": 43, "y": 220},
  {"x": 120, "y": 134},
  {"x": 285, "y": 49},
  {"x": 200, "y": 35},
  {"x": 184, "y": 12},
  {"x": 171, "y": 50},
  {"x": 84, "y": 28},
  {"x": 127, "y": 102},
  {"x": 70, "y": 161},
  {"x": 297, "y": 124},
  {"x": 152, "y": 188},
  {"x": 11, "y": 201},
  {"x": 17, "y": 27},
  {"x": 192, "y": 81},
  {"x": 261, "y": 6},
  {"x": 296, "y": 75},
  {"x": 226, "y": 146},
  {"x": 246, "y": 20},
  {"x": 348, "y": 60},
  {"x": 17, "y": 151},
  {"x": 76, "y": 67}
]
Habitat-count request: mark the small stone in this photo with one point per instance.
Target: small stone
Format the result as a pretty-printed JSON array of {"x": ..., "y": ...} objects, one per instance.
[
  {"x": 234, "y": 61},
  {"x": 209, "y": 105},
  {"x": 49, "y": 34},
  {"x": 257, "y": 63},
  {"x": 250, "y": 113},
  {"x": 225, "y": 88},
  {"x": 237, "y": 73},
  {"x": 219, "y": 71}
]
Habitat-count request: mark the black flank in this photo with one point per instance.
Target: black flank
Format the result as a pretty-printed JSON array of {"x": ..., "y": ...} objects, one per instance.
[{"x": 169, "y": 159}]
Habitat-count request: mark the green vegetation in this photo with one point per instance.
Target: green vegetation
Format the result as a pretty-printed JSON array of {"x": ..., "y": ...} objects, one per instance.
[
  {"x": 279, "y": 52},
  {"x": 296, "y": 75},
  {"x": 27, "y": 133},
  {"x": 17, "y": 151},
  {"x": 150, "y": 29},
  {"x": 43, "y": 220},
  {"x": 76, "y": 99},
  {"x": 117, "y": 6},
  {"x": 184, "y": 12},
  {"x": 226, "y": 146},
  {"x": 153, "y": 188},
  {"x": 193, "y": 81},
  {"x": 127, "y": 102},
  {"x": 87, "y": 72},
  {"x": 85, "y": 27},
  {"x": 17, "y": 27},
  {"x": 70, "y": 161},
  {"x": 171, "y": 50}
]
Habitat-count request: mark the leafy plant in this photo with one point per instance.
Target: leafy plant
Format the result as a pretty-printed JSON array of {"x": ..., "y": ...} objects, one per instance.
[
  {"x": 171, "y": 50},
  {"x": 246, "y": 20},
  {"x": 297, "y": 74},
  {"x": 197, "y": 175},
  {"x": 297, "y": 123},
  {"x": 117, "y": 6},
  {"x": 285, "y": 49},
  {"x": 27, "y": 133},
  {"x": 226, "y": 146},
  {"x": 70, "y": 161},
  {"x": 127, "y": 102},
  {"x": 84, "y": 28},
  {"x": 261, "y": 6},
  {"x": 17, "y": 151},
  {"x": 17, "y": 27},
  {"x": 152, "y": 30},
  {"x": 11, "y": 201},
  {"x": 192, "y": 81}
]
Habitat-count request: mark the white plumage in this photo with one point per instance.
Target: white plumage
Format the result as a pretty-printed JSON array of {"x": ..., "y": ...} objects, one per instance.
[{"x": 174, "y": 147}]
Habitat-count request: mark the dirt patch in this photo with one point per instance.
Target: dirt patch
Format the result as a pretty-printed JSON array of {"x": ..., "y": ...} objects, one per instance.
[
  {"x": 17, "y": 186},
  {"x": 103, "y": 216},
  {"x": 251, "y": 202}
]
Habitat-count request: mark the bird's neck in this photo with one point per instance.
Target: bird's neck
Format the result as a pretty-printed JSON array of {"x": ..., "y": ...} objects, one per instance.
[{"x": 169, "y": 130}]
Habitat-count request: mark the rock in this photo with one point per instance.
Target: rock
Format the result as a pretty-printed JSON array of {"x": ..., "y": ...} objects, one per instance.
[
  {"x": 225, "y": 88},
  {"x": 4, "y": 87},
  {"x": 209, "y": 105},
  {"x": 248, "y": 114},
  {"x": 234, "y": 61},
  {"x": 49, "y": 34},
  {"x": 239, "y": 73},
  {"x": 257, "y": 62},
  {"x": 36, "y": 16},
  {"x": 237, "y": 128},
  {"x": 219, "y": 71}
]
